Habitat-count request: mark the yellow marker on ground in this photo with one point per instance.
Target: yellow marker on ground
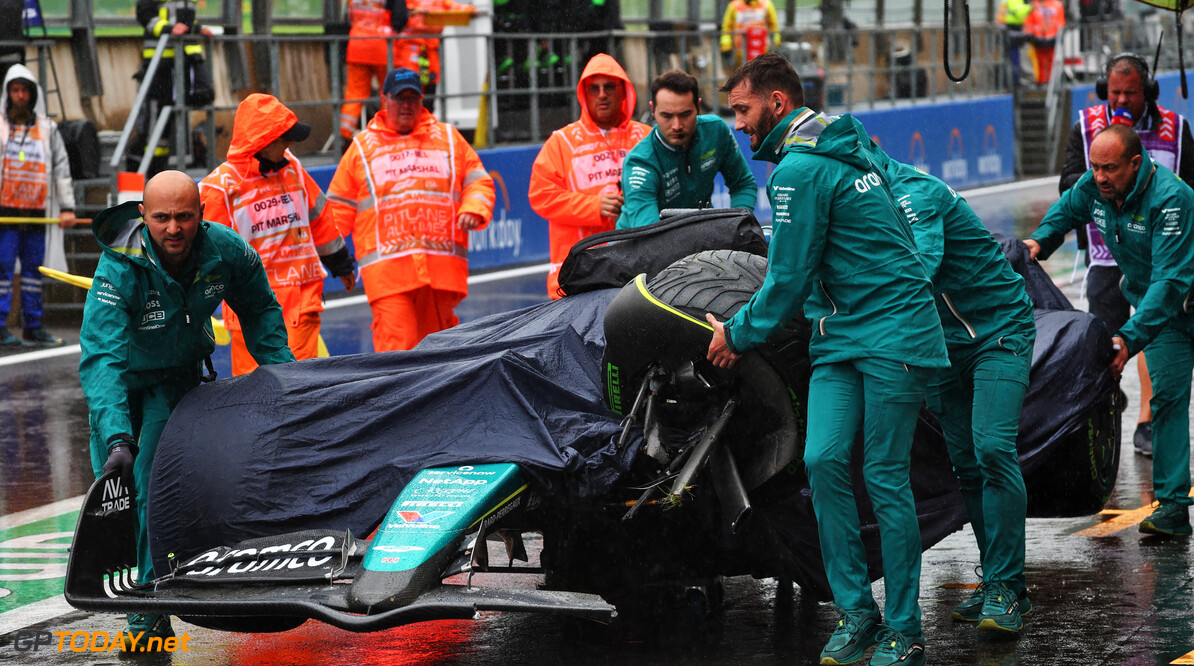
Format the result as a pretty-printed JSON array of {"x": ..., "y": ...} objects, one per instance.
[
  {"x": 1121, "y": 521},
  {"x": 223, "y": 337}
]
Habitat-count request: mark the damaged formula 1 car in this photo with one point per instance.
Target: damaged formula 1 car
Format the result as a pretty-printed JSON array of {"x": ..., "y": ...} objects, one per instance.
[{"x": 594, "y": 421}]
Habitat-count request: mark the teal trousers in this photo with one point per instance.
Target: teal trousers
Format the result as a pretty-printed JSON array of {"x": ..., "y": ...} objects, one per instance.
[
  {"x": 149, "y": 408},
  {"x": 1170, "y": 358},
  {"x": 882, "y": 398},
  {"x": 978, "y": 402}
]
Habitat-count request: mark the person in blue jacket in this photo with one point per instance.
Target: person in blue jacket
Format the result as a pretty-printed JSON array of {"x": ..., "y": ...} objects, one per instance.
[
  {"x": 989, "y": 329},
  {"x": 674, "y": 166},
  {"x": 1145, "y": 215},
  {"x": 843, "y": 256},
  {"x": 146, "y": 331}
]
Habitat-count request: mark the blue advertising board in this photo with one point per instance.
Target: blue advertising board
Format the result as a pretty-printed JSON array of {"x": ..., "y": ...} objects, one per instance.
[{"x": 965, "y": 143}]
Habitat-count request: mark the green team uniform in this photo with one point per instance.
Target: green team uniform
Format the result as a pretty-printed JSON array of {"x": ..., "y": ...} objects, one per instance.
[
  {"x": 1152, "y": 240},
  {"x": 656, "y": 175},
  {"x": 842, "y": 250},
  {"x": 145, "y": 335},
  {"x": 989, "y": 328}
]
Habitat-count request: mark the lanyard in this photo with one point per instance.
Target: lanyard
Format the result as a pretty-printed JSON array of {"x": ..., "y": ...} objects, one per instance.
[{"x": 24, "y": 138}]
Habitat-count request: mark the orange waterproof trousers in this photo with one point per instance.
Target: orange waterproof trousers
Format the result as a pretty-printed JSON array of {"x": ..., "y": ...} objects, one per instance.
[
  {"x": 302, "y": 339},
  {"x": 359, "y": 85},
  {"x": 401, "y": 320}
]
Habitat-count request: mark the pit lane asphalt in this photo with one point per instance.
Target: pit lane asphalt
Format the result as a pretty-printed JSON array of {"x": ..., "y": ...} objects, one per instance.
[{"x": 1103, "y": 593}]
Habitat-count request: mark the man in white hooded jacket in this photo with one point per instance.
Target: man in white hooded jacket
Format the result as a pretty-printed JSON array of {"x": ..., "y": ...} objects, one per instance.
[{"x": 34, "y": 183}]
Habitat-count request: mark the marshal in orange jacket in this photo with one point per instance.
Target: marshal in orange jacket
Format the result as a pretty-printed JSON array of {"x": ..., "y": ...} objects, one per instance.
[
  {"x": 577, "y": 164},
  {"x": 399, "y": 196},
  {"x": 282, "y": 215}
]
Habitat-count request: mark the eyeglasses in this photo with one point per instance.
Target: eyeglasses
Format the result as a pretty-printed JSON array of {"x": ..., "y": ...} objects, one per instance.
[
  {"x": 598, "y": 88},
  {"x": 406, "y": 97}
]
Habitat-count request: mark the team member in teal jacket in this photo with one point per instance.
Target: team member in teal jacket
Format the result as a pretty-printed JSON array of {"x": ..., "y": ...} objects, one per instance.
[
  {"x": 842, "y": 249},
  {"x": 146, "y": 330},
  {"x": 1146, "y": 216},
  {"x": 989, "y": 330},
  {"x": 674, "y": 165}
]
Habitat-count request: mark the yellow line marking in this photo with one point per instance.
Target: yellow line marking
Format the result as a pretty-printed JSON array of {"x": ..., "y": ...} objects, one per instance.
[
  {"x": 1124, "y": 520},
  {"x": 959, "y": 586},
  {"x": 1187, "y": 658},
  {"x": 1121, "y": 522}
]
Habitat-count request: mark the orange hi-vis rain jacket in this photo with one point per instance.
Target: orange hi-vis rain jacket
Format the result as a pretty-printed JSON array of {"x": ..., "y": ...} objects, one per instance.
[
  {"x": 422, "y": 55},
  {"x": 283, "y": 215},
  {"x": 399, "y": 196},
  {"x": 370, "y": 18},
  {"x": 577, "y": 164},
  {"x": 1046, "y": 19}
]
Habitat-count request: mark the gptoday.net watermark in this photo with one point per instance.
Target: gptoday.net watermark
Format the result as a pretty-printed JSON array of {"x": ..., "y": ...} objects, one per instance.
[{"x": 97, "y": 641}]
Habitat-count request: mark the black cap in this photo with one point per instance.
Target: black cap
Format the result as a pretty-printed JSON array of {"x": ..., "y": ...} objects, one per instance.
[
  {"x": 399, "y": 79},
  {"x": 297, "y": 132}
]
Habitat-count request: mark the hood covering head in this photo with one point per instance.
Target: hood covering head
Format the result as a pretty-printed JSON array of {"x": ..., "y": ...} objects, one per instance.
[
  {"x": 21, "y": 72},
  {"x": 260, "y": 120},
  {"x": 605, "y": 64}
]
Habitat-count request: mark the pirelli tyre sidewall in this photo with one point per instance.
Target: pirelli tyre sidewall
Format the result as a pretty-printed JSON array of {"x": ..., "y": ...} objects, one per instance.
[{"x": 774, "y": 377}]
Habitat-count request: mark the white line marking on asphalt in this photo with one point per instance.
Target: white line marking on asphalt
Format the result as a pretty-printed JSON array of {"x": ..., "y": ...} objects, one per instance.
[
  {"x": 40, "y": 513},
  {"x": 34, "y": 613}
]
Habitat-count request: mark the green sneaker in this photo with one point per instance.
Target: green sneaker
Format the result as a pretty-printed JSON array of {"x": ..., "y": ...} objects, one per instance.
[
  {"x": 855, "y": 633},
  {"x": 896, "y": 649},
  {"x": 142, "y": 629},
  {"x": 1170, "y": 519},
  {"x": 1001, "y": 609},
  {"x": 971, "y": 609}
]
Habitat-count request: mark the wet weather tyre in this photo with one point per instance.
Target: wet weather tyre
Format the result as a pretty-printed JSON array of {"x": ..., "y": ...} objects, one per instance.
[
  {"x": 1080, "y": 477},
  {"x": 721, "y": 282},
  {"x": 717, "y": 281}
]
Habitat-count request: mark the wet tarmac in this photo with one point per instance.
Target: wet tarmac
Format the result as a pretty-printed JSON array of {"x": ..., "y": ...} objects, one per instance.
[{"x": 1102, "y": 593}]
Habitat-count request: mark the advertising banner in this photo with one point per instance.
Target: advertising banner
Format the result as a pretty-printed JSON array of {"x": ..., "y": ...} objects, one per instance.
[{"x": 965, "y": 143}]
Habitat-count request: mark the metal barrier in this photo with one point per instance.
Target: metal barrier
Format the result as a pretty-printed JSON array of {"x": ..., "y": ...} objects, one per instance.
[{"x": 526, "y": 83}]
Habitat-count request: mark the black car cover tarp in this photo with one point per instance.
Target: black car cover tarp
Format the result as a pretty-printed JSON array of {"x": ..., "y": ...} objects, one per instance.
[{"x": 329, "y": 443}]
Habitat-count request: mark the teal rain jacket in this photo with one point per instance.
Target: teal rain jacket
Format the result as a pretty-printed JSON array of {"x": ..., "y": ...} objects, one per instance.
[
  {"x": 980, "y": 298},
  {"x": 1151, "y": 238},
  {"x": 656, "y": 176},
  {"x": 842, "y": 249},
  {"x": 142, "y": 327}
]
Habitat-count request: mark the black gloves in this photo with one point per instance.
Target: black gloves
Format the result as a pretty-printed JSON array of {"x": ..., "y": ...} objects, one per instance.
[
  {"x": 339, "y": 263},
  {"x": 121, "y": 452}
]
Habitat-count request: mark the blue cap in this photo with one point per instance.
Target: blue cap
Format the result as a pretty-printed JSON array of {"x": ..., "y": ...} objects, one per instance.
[{"x": 399, "y": 79}]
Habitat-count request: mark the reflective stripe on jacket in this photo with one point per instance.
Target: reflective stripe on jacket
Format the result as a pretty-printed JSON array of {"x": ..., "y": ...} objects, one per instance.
[
  {"x": 283, "y": 215},
  {"x": 159, "y": 17},
  {"x": 399, "y": 196},
  {"x": 369, "y": 18},
  {"x": 577, "y": 164},
  {"x": 422, "y": 55}
]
